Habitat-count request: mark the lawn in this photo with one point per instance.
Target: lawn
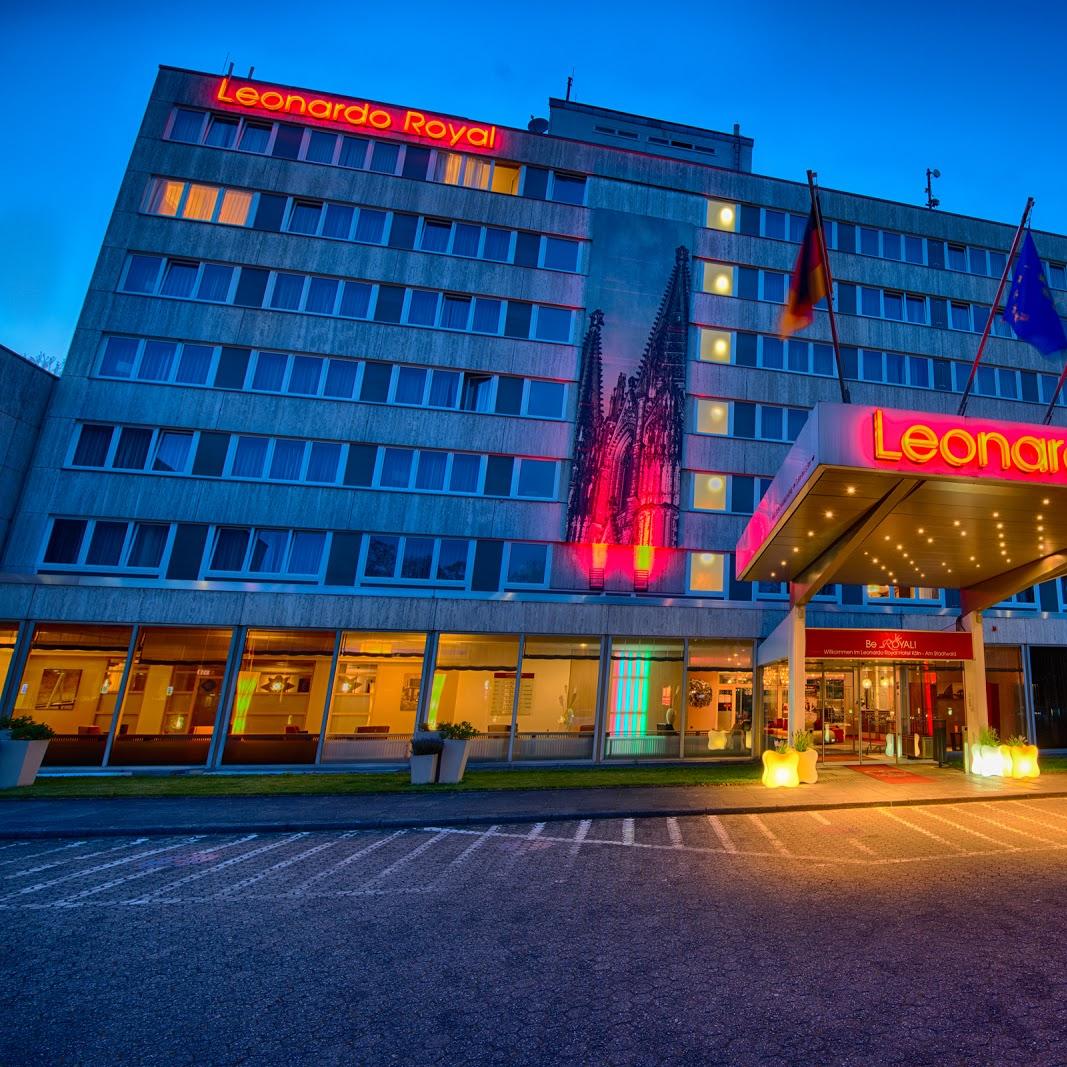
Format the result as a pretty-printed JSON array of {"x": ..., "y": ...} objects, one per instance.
[{"x": 304, "y": 784}]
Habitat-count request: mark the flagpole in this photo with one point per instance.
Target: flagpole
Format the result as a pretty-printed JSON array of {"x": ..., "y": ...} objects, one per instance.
[
  {"x": 817, "y": 208},
  {"x": 995, "y": 305},
  {"x": 1055, "y": 396}
]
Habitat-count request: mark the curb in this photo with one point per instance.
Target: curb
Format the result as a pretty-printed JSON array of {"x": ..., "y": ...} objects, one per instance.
[{"x": 518, "y": 818}]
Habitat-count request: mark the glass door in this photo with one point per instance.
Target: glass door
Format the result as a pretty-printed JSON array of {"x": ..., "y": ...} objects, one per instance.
[{"x": 832, "y": 714}]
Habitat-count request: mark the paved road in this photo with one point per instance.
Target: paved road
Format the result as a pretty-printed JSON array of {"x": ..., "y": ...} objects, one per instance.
[{"x": 922, "y": 935}]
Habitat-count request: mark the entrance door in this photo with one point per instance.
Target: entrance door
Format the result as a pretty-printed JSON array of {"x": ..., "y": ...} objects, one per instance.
[
  {"x": 877, "y": 710},
  {"x": 852, "y": 710}
]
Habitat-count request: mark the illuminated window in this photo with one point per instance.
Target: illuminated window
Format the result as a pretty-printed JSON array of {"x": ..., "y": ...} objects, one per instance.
[
  {"x": 718, "y": 279},
  {"x": 709, "y": 491},
  {"x": 476, "y": 173},
  {"x": 448, "y": 167},
  {"x": 722, "y": 216},
  {"x": 706, "y": 572},
  {"x": 200, "y": 202},
  {"x": 716, "y": 346},
  {"x": 505, "y": 179},
  {"x": 235, "y": 207},
  {"x": 713, "y": 416},
  {"x": 164, "y": 197}
]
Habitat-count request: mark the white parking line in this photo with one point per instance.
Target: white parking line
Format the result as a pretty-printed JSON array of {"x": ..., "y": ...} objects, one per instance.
[
  {"x": 351, "y": 858},
  {"x": 919, "y": 829},
  {"x": 779, "y": 847},
  {"x": 968, "y": 830},
  {"x": 281, "y": 865},
  {"x": 627, "y": 831},
  {"x": 721, "y": 833},
  {"x": 855, "y": 842},
  {"x": 674, "y": 832},
  {"x": 78, "y": 858},
  {"x": 821, "y": 819},
  {"x": 580, "y": 835},
  {"x": 196, "y": 876},
  {"x": 93, "y": 870},
  {"x": 38, "y": 855},
  {"x": 1029, "y": 835},
  {"x": 536, "y": 830},
  {"x": 406, "y": 858}
]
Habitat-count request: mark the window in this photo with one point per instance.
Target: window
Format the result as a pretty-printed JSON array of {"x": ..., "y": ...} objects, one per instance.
[
  {"x": 537, "y": 478},
  {"x": 466, "y": 474},
  {"x": 723, "y": 216},
  {"x": 527, "y": 563},
  {"x": 561, "y": 254},
  {"x": 712, "y": 417},
  {"x": 553, "y": 324},
  {"x": 172, "y": 451},
  {"x": 93, "y": 445},
  {"x": 568, "y": 188},
  {"x": 709, "y": 491},
  {"x": 546, "y": 399},
  {"x": 65, "y": 541},
  {"x": 706, "y": 572},
  {"x": 452, "y": 561}
]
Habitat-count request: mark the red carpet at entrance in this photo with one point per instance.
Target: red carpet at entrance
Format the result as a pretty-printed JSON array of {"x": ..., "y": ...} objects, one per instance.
[{"x": 890, "y": 774}]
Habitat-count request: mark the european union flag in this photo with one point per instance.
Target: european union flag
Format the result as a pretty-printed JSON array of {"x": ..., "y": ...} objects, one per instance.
[{"x": 1029, "y": 310}]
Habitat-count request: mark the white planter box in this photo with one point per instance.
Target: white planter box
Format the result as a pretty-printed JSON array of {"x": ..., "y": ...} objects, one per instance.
[
  {"x": 423, "y": 770},
  {"x": 453, "y": 761},
  {"x": 20, "y": 762}
]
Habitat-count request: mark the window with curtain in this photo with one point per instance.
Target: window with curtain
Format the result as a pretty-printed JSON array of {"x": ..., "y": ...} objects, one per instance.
[
  {"x": 194, "y": 364},
  {"x": 287, "y": 460},
  {"x": 465, "y": 473},
  {"x": 165, "y": 197},
  {"x": 200, "y": 202},
  {"x": 120, "y": 354},
  {"x": 255, "y": 137},
  {"x": 270, "y": 371},
  {"x": 476, "y": 390},
  {"x": 215, "y": 283},
  {"x": 142, "y": 274},
  {"x": 92, "y": 447},
  {"x": 337, "y": 221},
  {"x": 322, "y": 466},
  {"x": 305, "y": 555},
  {"x": 288, "y": 289},
  {"x": 430, "y": 473},
  {"x": 65, "y": 541},
  {"x": 149, "y": 540},
  {"x": 236, "y": 204},
  {"x": 370, "y": 227},
  {"x": 477, "y": 172},
  {"x": 172, "y": 451},
  {"x": 448, "y": 167},
  {"x": 396, "y": 468},
  {"x": 418, "y": 557},
  {"x": 497, "y": 244},
  {"x": 249, "y": 457},
  {"x": 156, "y": 361},
  {"x": 187, "y": 126},
  {"x": 486, "y": 315},
  {"x": 466, "y": 240},
  {"x": 355, "y": 300},
  {"x": 179, "y": 279},
  {"x": 321, "y": 147},
  {"x": 231, "y": 545},
  {"x": 456, "y": 312},
  {"x": 305, "y": 217},
  {"x": 132, "y": 450},
  {"x": 444, "y": 389},
  {"x": 105, "y": 546},
  {"x": 410, "y": 385},
  {"x": 307, "y": 370},
  {"x": 353, "y": 152},
  {"x": 422, "y": 307},
  {"x": 268, "y": 551}
]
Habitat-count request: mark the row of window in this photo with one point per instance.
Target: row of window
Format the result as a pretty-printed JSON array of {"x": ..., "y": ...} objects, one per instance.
[
  {"x": 364, "y": 225},
  {"x": 313, "y": 145},
  {"x": 751, "y": 283},
  {"x": 871, "y": 241},
  {"x": 873, "y": 365},
  {"x": 754, "y": 422},
  {"x": 368, "y": 381},
  {"x": 257, "y": 287},
  {"x": 152, "y": 549},
  {"x": 203, "y": 453}
]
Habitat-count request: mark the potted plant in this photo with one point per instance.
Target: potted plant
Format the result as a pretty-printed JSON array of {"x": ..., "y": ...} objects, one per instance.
[
  {"x": 426, "y": 747},
  {"x": 780, "y": 767},
  {"x": 989, "y": 758},
  {"x": 455, "y": 737},
  {"x": 1023, "y": 757},
  {"x": 807, "y": 756},
  {"x": 22, "y": 746}
]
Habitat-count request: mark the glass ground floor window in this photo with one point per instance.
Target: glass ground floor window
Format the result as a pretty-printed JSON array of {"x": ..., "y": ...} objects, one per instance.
[
  {"x": 172, "y": 696},
  {"x": 474, "y": 681},
  {"x": 280, "y": 695},
  {"x": 9, "y": 633},
  {"x": 555, "y": 715},
  {"x": 374, "y": 697},
  {"x": 71, "y": 682},
  {"x": 643, "y": 715},
  {"x": 718, "y": 712}
]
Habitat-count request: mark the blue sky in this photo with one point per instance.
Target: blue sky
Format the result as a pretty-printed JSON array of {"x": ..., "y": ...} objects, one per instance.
[{"x": 868, "y": 95}]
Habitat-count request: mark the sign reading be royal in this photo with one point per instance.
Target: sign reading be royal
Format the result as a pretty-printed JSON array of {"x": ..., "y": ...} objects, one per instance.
[{"x": 359, "y": 114}]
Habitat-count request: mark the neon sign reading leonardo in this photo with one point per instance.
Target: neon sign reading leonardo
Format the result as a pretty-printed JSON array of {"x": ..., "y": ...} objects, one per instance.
[{"x": 455, "y": 133}]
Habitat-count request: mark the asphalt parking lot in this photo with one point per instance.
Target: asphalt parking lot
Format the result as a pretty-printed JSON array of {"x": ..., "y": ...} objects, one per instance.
[{"x": 907, "y": 936}]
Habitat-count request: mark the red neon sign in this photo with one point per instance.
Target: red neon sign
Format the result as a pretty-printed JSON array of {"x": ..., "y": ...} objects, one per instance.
[
  {"x": 347, "y": 113},
  {"x": 941, "y": 444}
]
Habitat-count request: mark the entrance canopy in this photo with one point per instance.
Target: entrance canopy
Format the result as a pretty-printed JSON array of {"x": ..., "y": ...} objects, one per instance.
[{"x": 876, "y": 495}]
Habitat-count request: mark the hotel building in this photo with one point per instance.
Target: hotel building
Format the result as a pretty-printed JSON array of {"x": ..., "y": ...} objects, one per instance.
[{"x": 375, "y": 416}]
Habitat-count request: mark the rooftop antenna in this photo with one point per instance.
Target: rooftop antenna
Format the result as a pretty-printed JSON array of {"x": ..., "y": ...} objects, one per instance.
[
  {"x": 570, "y": 84},
  {"x": 931, "y": 200},
  {"x": 229, "y": 68},
  {"x": 251, "y": 71}
]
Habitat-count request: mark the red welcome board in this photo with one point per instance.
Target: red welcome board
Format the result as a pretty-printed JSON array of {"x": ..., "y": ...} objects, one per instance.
[{"x": 887, "y": 644}]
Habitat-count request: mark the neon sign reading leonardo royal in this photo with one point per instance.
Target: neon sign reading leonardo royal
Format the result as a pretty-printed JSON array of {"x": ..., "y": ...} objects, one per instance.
[{"x": 455, "y": 133}]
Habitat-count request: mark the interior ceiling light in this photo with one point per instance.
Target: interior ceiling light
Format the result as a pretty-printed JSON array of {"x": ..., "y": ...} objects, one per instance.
[{"x": 850, "y": 489}]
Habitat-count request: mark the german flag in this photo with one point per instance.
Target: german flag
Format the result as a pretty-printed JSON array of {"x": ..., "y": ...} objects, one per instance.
[{"x": 808, "y": 284}]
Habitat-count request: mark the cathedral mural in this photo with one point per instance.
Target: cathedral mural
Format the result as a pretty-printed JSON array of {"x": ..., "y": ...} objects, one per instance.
[{"x": 625, "y": 479}]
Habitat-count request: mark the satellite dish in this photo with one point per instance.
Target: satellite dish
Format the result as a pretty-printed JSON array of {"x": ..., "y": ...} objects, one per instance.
[{"x": 537, "y": 125}]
